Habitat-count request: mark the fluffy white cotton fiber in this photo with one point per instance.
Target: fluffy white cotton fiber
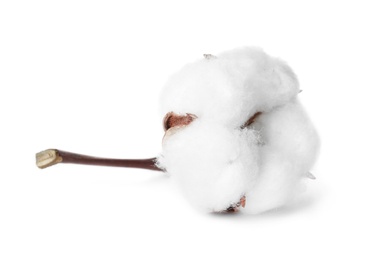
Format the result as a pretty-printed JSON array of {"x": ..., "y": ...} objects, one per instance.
[
  {"x": 215, "y": 160},
  {"x": 230, "y": 88}
]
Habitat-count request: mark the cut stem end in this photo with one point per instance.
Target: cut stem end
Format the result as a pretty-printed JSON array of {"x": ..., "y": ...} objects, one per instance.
[{"x": 48, "y": 158}]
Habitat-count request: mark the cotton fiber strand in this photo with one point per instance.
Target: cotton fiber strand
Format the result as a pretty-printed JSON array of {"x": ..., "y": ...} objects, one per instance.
[{"x": 216, "y": 159}]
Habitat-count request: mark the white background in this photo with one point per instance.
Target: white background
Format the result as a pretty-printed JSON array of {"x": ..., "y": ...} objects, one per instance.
[{"x": 85, "y": 76}]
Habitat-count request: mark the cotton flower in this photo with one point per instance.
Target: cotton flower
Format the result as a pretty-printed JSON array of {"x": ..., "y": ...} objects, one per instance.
[{"x": 237, "y": 137}]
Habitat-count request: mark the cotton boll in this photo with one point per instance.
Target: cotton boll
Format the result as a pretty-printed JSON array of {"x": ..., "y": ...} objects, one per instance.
[
  {"x": 218, "y": 158},
  {"x": 213, "y": 165}
]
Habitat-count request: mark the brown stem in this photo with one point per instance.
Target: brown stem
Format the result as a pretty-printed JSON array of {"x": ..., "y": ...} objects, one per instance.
[{"x": 53, "y": 156}]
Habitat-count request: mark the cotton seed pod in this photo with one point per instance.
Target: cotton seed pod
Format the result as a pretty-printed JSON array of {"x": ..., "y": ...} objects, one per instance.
[{"x": 236, "y": 136}]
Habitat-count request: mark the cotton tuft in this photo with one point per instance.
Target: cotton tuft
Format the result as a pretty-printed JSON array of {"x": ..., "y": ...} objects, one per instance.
[{"x": 217, "y": 159}]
